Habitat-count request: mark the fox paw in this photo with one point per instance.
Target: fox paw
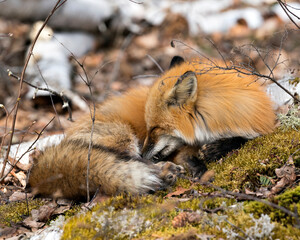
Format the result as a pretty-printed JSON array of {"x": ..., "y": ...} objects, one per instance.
[{"x": 169, "y": 172}]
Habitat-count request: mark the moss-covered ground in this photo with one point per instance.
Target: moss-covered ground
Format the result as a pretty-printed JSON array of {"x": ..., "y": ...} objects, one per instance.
[
  {"x": 15, "y": 212},
  {"x": 159, "y": 217},
  {"x": 154, "y": 217}
]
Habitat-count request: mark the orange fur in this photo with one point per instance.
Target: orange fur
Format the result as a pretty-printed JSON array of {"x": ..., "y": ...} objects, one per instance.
[
  {"x": 115, "y": 161},
  {"x": 183, "y": 106},
  {"x": 204, "y": 105}
]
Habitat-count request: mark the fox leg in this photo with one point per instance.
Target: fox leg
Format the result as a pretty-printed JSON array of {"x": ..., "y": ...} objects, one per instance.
[
  {"x": 195, "y": 158},
  {"x": 192, "y": 159},
  {"x": 169, "y": 172}
]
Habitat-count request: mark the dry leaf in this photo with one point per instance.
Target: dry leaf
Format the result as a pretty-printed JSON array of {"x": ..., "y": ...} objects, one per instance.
[
  {"x": 249, "y": 192},
  {"x": 21, "y": 176},
  {"x": 7, "y": 231},
  {"x": 287, "y": 175},
  {"x": 19, "y": 196},
  {"x": 22, "y": 166},
  {"x": 61, "y": 210},
  {"x": 28, "y": 222},
  {"x": 179, "y": 192},
  {"x": 44, "y": 212}
]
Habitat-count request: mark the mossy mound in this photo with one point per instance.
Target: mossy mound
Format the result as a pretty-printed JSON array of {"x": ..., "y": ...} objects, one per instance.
[
  {"x": 290, "y": 200},
  {"x": 144, "y": 218},
  {"x": 153, "y": 216},
  {"x": 257, "y": 157},
  {"x": 15, "y": 212}
]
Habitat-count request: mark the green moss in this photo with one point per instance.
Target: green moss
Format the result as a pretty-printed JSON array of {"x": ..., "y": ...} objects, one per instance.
[
  {"x": 144, "y": 218},
  {"x": 119, "y": 217},
  {"x": 72, "y": 211},
  {"x": 15, "y": 212},
  {"x": 289, "y": 199},
  {"x": 257, "y": 157},
  {"x": 150, "y": 217}
]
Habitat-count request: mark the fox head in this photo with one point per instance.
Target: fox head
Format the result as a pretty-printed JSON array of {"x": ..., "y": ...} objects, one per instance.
[{"x": 169, "y": 107}]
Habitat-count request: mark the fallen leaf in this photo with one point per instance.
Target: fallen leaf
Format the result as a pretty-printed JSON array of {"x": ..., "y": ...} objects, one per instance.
[
  {"x": 179, "y": 192},
  {"x": 22, "y": 166},
  {"x": 19, "y": 196},
  {"x": 286, "y": 174},
  {"x": 44, "y": 212},
  {"x": 61, "y": 210},
  {"x": 263, "y": 192},
  {"x": 249, "y": 192},
  {"x": 7, "y": 232},
  {"x": 29, "y": 222},
  {"x": 21, "y": 176}
]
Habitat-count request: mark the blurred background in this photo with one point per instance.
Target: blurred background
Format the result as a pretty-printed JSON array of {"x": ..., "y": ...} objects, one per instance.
[{"x": 117, "y": 44}]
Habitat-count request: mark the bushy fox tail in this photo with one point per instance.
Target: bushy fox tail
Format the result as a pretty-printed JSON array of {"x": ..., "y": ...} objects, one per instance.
[{"x": 61, "y": 171}]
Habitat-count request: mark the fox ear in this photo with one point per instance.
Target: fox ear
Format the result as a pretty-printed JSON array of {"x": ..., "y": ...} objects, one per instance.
[
  {"x": 176, "y": 60},
  {"x": 184, "y": 90}
]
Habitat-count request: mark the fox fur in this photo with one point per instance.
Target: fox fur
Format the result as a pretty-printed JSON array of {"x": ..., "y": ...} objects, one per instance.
[
  {"x": 197, "y": 103},
  {"x": 116, "y": 164},
  {"x": 188, "y": 106}
]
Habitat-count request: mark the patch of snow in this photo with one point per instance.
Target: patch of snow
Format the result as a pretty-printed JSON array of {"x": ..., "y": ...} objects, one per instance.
[
  {"x": 53, "y": 232},
  {"x": 278, "y": 96},
  {"x": 200, "y": 21},
  {"x": 17, "y": 150}
]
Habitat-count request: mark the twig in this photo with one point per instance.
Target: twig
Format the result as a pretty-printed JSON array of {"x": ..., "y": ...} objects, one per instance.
[
  {"x": 5, "y": 126},
  {"x": 246, "y": 71},
  {"x": 173, "y": 41},
  {"x": 249, "y": 197},
  {"x": 145, "y": 76},
  {"x": 66, "y": 103},
  {"x": 58, "y": 3},
  {"x": 214, "y": 45},
  {"x": 22, "y": 138},
  {"x": 207, "y": 209},
  {"x": 136, "y": 2},
  {"x": 88, "y": 83},
  {"x": 60, "y": 95},
  {"x": 239, "y": 229},
  {"x": 156, "y": 63},
  {"x": 93, "y": 115},
  {"x": 288, "y": 12}
]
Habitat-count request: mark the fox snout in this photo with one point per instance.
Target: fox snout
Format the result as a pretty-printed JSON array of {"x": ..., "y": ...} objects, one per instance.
[{"x": 161, "y": 148}]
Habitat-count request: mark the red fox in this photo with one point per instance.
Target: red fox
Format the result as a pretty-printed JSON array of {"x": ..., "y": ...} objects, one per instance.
[
  {"x": 116, "y": 164},
  {"x": 189, "y": 105},
  {"x": 196, "y": 103}
]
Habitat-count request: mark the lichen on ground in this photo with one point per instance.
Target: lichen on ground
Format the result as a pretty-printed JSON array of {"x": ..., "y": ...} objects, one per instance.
[
  {"x": 156, "y": 216},
  {"x": 153, "y": 216}
]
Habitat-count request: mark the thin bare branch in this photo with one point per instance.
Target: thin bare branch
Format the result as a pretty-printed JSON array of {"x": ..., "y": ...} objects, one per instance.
[
  {"x": 249, "y": 197},
  {"x": 155, "y": 62},
  {"x": 58, "y": 3},
  {"x": 47, "y": 89},
  {"x": 288, "y": 12}
]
